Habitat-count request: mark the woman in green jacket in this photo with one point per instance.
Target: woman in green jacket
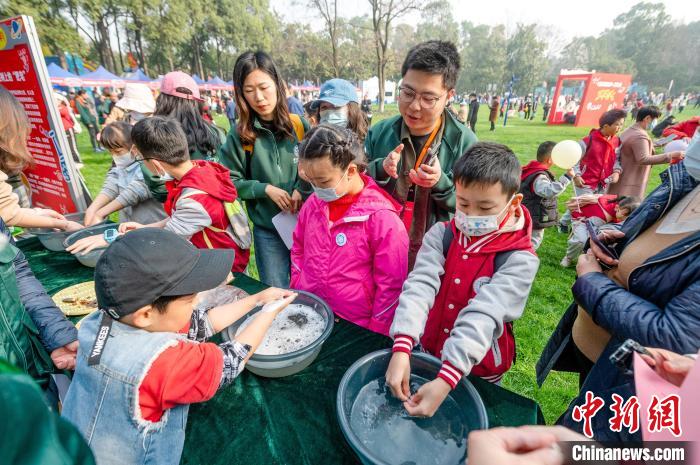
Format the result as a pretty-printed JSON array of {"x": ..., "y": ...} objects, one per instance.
[{"x": 261, "y": 151}]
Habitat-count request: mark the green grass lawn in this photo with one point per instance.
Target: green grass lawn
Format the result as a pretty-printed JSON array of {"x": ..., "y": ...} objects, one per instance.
[{"x": 551, "y": 291}]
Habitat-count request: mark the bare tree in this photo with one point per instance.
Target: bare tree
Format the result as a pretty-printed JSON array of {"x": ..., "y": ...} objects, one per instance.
[
  {"x": 328, "y": 10},
  {"x": 384, "y": 13}
]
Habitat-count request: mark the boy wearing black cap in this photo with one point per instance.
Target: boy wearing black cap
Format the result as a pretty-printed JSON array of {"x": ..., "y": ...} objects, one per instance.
[{"x": 142, "y": 359}]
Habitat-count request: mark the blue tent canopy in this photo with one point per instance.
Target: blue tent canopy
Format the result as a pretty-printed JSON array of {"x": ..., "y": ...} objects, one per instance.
[
  {"x": 100, "y": 74},
  {"x": 137, "y": 75},
  {"x": 217, "y": 81},
  {"x": 56, "y": 71},
  {"x": 198, "y": 79}
]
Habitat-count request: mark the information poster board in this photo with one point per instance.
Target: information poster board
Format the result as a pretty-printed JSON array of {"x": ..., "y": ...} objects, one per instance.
[
  {"x": 54, "y": 180},
  {"x": 600, "y": 92}
]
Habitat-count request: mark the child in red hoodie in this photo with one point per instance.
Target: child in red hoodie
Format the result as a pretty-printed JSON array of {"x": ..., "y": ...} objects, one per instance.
[{"x": 197, "y": 190}]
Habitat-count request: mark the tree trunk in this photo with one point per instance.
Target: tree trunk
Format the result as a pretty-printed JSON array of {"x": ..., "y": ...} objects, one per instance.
[
  {"x": 336, "y": 67},
  {"x": 139, "y": 44},
  {"x": 119, "y": 41},
  {"x": 218, "y": 59},
  {"x": 380, "y": 75},
  {"x": 103, "y": 44}
]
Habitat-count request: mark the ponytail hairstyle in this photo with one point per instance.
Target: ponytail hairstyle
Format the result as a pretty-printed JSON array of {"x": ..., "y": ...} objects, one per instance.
[
  {"x": 340, "y": 144},
  {"x": 201, "y": 137},
  {"x": 246, "y": 63}
]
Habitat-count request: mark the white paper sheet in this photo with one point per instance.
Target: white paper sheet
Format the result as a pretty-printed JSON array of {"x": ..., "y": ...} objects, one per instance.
[{"x": 285, "y": 223}]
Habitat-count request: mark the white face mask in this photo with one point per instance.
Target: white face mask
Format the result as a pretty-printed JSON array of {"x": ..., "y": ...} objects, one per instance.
[
  {"x": 163, "y": 176},
  {"x": 335, "y": 116},
  {"x": 329, "y": 194},
  {"x": 473, "y": 225},
  {"x": 122, "y": 161}
]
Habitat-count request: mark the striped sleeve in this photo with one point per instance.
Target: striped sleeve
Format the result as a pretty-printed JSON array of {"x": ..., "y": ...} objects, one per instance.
[
  {"x": 450, "y": 374},
  {"x": 403, "y": 343}
]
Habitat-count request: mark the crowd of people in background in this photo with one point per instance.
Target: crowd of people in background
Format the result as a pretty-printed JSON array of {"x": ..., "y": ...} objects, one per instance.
[{"x": 410, "y": 228}]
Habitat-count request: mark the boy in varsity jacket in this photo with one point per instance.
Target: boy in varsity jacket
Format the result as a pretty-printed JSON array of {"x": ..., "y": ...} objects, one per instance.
[
  {"x": 540, "y": 191},
  {"x": 471, "y": 280}
]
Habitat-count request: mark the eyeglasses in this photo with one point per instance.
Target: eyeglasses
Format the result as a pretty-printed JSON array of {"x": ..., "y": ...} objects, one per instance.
[
  {"x": 138, "y": 157},
  {"x": 427, "y": 102}
]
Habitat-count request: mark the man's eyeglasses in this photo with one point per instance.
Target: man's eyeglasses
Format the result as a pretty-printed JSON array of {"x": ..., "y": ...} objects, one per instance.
[
  {"x": 427, "y": 101},
  {"x": 138, "y": 157}
]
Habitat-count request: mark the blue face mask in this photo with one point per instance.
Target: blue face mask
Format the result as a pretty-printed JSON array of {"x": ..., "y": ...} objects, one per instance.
[
  {"x": 652, "y": 124},
  {"x": 336, "y": 117},
  {"x": 329, "y": 194}
]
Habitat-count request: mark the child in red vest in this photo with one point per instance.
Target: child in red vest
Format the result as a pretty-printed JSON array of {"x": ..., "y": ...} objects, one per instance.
[
  {"x": 599, "y": 165},
  {"x": 471, "y": 280},
  {"x": 197, "y": 192},
  {"x": 598, "y": 210},
  {"x": 197, "y": 189},
  {"x": 540, "y": 191}
]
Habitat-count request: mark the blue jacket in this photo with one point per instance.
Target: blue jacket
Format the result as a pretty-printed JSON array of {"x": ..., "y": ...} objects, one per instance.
[
  {"x": 231, "y": 110},
  {"x": 660, "y": 309},
  {"x": 54, "y": 329}
]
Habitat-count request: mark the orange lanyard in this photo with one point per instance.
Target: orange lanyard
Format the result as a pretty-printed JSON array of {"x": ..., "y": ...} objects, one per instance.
[{"x": 427, "y": 145}]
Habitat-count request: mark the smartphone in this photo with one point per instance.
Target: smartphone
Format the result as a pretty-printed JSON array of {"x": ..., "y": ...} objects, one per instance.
[
  {"x": 432, "y": 154},
  {"x": 594, "y": 238}
]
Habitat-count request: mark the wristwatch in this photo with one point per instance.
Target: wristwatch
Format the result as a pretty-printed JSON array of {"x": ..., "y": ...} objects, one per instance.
[{"x": 110, "y": 235}]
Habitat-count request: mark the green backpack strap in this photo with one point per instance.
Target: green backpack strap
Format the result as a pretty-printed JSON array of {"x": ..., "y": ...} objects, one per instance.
[{"x": 237, "y": 218}]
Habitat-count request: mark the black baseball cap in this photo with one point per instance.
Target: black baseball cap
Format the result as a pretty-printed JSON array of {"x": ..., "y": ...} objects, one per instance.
[{"x": 148, "y": 263}]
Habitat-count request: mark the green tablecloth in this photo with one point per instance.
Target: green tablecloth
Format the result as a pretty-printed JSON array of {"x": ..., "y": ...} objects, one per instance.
[{"x": 286, "y": 420}]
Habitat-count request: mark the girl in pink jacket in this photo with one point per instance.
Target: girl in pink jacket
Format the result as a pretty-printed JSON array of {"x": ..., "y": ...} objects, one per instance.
[{"x": 350, "y": 246}]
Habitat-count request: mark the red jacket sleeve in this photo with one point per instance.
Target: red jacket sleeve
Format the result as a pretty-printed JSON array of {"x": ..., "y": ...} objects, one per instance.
[
  {"x": 681, "y": 130},
  {"x": 184, "y": 374}
]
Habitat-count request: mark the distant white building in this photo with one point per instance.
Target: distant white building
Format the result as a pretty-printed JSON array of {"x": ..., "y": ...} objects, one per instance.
[{"x": 370, "y": 88}]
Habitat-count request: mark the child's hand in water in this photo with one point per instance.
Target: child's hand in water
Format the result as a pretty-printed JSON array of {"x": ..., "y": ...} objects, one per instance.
[
  {"x": 428, "y": 399},
  {"x": 87, "y": 244},
  {"x": 398, "y": 375}
]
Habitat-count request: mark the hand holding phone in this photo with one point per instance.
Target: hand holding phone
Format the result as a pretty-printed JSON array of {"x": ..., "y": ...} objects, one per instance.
[{"x": 594, "y": 239}]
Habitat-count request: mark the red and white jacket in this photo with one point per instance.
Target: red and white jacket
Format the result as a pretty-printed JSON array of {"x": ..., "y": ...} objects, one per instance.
[
  {"x": 459, "y": 308},
  {"x": 195, "y": 205}
]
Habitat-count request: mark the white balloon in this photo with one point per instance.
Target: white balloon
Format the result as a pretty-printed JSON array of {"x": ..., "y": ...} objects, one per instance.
[
  {"x": 675, "y": 146},
  {"x": 566, "y": 154}
]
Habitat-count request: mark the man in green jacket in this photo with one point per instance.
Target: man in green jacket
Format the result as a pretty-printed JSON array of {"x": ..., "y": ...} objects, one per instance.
[
  {"x": 88, "y": 115},
  {"x": 411, "y": 155}
]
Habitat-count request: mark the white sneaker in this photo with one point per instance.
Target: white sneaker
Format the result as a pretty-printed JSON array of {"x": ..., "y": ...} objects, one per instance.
[{"x": 566, "y": 262}]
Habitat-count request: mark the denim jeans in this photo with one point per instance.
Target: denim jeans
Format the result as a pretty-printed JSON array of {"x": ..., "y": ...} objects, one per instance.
[{"x": 271, "y": 257}]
